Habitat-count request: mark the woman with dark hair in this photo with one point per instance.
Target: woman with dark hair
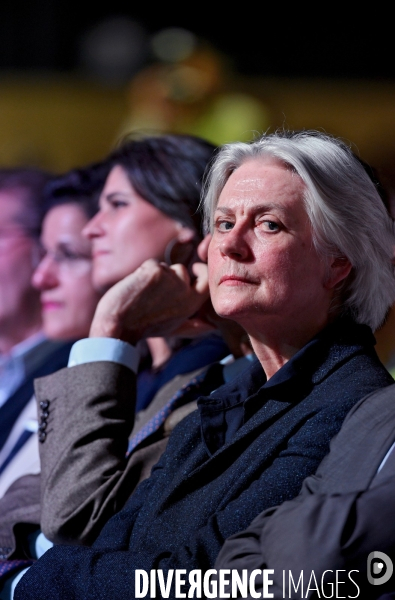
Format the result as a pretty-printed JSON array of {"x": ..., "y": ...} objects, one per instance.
[
  {"x": 149, "y": 210},
  {"x": 64, "y": 275}
]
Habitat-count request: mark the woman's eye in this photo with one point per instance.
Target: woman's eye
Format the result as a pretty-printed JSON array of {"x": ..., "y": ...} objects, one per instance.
[
  {"x": 118, "y": 203},
  {"x": 114, "y": 201},
  {"x": 224, "y": 225},
  {"x": 271, "y": 225},
  {"x": 69, "y": 255}
]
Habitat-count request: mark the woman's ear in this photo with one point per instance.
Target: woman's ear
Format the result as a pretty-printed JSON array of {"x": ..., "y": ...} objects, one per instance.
[
  {"x": 202, "y": 249},
  {"x": 182, "y": 248},
  {"x": 339, "y": 269},
  {"x": 185, "y": 235}
]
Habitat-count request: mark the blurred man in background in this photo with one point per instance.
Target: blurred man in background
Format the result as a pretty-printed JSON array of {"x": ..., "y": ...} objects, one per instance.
[{"x": 24, "y": 351}]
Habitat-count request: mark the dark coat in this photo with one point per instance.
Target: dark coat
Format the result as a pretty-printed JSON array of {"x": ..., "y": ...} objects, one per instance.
[
  {"x": 212, "y": 481},
  {"x": 343, "y": 513}
]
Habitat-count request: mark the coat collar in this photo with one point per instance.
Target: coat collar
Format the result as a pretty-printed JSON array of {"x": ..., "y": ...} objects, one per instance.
[{"x": 230, "y": 406}]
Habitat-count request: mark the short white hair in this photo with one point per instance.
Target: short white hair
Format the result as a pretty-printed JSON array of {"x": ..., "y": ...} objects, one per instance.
[{"x": 347, "y": 214}]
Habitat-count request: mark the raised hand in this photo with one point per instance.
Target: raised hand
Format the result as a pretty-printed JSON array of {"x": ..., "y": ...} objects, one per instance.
[{"x": 155, "y": 300}]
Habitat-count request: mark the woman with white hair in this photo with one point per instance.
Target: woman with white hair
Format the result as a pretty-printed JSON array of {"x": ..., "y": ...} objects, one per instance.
[
  {"x": 349, "y": 224},
  {"x": 301, "y": 257}
]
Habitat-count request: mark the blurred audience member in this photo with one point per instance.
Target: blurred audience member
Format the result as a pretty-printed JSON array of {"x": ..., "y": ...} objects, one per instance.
[
  {"x": 25, "y": 353},
  {"x": 63, "y": 277}
]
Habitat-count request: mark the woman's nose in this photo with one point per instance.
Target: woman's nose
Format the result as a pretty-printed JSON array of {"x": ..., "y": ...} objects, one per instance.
[
  {"x": 94, "y": 227},
  {"x": 234, "y": 244},
  {"x": 45, "y": 276}
]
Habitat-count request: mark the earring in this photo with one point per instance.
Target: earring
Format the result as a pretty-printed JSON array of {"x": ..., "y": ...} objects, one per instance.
[
  {"x": 169, "y": 250},
  {"x": 178, "y": 252}
]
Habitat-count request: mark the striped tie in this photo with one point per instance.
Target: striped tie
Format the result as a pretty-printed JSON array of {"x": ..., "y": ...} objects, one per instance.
[
  {"x": 7, "y": 567},
  {"x": 25, "y": 435},
  {"x": 200, "y": 385}
]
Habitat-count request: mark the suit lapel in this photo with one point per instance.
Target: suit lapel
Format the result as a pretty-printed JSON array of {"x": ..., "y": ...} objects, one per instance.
[{"x": 48, "y": 357}]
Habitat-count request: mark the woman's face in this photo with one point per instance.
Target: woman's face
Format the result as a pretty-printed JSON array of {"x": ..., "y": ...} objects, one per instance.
[
  {"x": 64, "y": 275},
  {"x": 127, "y": 230},
  {"x": 264, "y": 270}
]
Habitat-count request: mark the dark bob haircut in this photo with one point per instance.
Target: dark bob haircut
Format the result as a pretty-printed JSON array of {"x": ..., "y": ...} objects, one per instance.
[
  {"x": 167, "y": 170},
  {"x": 80, "y": 186}
]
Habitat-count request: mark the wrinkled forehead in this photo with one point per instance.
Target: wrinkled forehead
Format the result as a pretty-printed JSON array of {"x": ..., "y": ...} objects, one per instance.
[{"x": 258, "y": 177}]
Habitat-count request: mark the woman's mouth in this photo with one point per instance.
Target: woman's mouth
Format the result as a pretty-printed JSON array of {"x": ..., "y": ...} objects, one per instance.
[
  {"x": 49, "y": 305},
  {"x": 234, "y": 280}
]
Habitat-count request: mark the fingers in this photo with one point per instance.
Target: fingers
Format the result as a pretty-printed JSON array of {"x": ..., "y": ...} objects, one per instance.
[
  {"x": 181, "y": 271},
  {"x": 152, "y": 300},
  {"x": 200, "y": 285},
  {"x": 201, "y": 282}
]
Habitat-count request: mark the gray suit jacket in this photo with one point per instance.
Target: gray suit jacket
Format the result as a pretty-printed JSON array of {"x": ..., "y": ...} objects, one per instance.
[
  {"x": 86, "y": 442},
  {"x": 344, "y": 511}
]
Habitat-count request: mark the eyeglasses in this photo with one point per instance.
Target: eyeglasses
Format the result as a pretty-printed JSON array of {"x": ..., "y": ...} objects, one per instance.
[{"x": 65, "y": 257}]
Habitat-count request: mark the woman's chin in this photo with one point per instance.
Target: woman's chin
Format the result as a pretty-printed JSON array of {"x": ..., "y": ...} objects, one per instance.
[
  {"x": 230, "y": 311},
  {"x": 55, "y": 334}
]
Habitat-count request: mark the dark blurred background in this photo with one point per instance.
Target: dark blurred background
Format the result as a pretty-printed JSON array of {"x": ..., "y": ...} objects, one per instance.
[
  {"x": 75, "y": 77},
  {"x": 268, "y": 40}
]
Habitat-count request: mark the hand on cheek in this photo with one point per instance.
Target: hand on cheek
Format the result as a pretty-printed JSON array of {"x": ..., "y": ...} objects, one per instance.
[{"x": 153, "y": 301}]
